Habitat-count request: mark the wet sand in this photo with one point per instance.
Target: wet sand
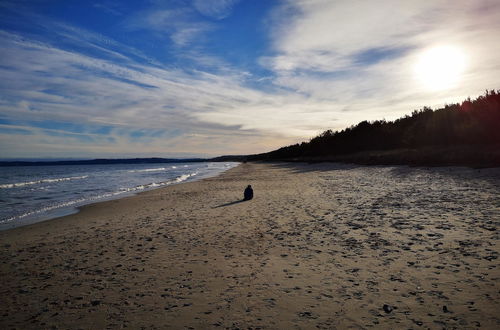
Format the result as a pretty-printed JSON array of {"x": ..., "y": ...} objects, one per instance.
[{"x": 320, "y": 246}]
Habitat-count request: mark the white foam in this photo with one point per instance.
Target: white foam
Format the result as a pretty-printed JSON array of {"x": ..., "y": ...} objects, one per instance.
[
  {"x": 22, "y": 184},
  {"x": 149, "y": 170},
  {"x": 83, "y": 201},
  {"x": 72, "y": 203},
  {"x": 57, "y": 208},
  {"x": 159, "y": 184},
  {"x": 184, "y": 177}
]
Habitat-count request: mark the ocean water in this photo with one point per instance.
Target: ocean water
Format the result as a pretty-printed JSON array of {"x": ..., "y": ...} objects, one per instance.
[{"x": 30, "y": 194}]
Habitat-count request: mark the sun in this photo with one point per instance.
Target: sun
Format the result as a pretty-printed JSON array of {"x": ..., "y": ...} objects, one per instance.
[{"x": 440, "y": 68}]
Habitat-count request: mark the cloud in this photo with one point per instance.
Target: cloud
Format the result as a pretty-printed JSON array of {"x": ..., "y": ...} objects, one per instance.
[
  {"x": 331, "y": 64},
  {"x": 109, "y": 7},
  {"x": 217, "y": 9},
  {"x": 167, "y": 109},
  {"x": 183, "y": 36},
  {"x": 182, "y": 23},
  {"x": 179, "y": 24},
  {"x": 363, "y": 53}
]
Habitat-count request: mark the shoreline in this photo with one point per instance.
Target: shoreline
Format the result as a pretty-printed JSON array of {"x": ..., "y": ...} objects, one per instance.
[
  {"x": 63, "y": 211},
  {"x": 319, "y": 246}
]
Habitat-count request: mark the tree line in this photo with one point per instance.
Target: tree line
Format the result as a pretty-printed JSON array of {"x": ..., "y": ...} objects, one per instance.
[{"x": 469, "y": 123}]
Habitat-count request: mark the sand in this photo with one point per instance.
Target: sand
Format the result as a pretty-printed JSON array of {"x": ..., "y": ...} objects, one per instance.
[{"x": 320, "y": 246}]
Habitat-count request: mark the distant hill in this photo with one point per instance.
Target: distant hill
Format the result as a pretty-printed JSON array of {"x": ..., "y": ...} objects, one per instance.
[
  {"x": 105, "y": 161},
  {"x": 229, "y": 158},
  {"x": 102, "y": 161},
  {"x": 458, "y": 134}
]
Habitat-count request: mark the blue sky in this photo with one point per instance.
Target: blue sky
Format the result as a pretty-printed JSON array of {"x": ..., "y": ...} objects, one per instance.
[{"x": 181, "y": 78}]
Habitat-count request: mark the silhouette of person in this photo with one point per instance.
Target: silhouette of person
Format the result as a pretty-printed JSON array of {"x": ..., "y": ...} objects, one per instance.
[{"x": 248, "y": 194}]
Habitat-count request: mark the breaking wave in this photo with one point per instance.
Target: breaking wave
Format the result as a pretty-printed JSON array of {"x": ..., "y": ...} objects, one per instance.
[
  {"x": 110, "y": 195},
  {"x": 30, "y": 195},
  {"x": 149, "y": 170},
  {"x": 22, "y": 184},
  {"x": 179, "y": 179}
]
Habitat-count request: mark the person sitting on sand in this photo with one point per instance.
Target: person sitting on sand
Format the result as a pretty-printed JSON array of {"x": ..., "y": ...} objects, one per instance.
[{"x": 248, "y": 194}]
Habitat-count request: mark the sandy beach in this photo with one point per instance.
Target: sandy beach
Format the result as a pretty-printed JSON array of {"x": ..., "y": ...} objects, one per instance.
[{"x": 323, "y": 246}]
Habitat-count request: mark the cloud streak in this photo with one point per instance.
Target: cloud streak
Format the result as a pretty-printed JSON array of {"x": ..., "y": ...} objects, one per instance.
[
  {"x": 184, "y": 109},
  {"x": 217, "y": 9},
  {"x": 178, "y": 24},
  {"x": 362, "y": 54}
]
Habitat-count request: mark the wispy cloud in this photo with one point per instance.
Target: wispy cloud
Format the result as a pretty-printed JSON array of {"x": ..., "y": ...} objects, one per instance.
[
  {"x": 217, "y": 9},
  {"x": 110, "y": 7},
  {"x": 166, "y": 108},
  {"x": 182, "y": 23},
  {"x": 178, "y": 24},
  {"x": 321, "y": 46}
]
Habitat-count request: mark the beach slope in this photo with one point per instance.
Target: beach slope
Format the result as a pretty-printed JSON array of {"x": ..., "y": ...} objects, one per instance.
[{"x": 320, "y": 246}]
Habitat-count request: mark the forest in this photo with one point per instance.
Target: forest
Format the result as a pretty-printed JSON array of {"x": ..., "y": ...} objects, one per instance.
[{"x": 464, "y": 132}]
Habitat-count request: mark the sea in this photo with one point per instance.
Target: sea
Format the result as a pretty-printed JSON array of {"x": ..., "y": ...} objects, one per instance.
[{"x": 30, "y": 194}]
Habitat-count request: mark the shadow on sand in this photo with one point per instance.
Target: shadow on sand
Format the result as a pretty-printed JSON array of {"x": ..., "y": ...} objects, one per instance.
[{"x": 231, "y": 203}]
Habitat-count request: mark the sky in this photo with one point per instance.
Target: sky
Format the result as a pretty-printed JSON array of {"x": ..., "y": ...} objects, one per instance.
[{"x": 202, "y": 78}]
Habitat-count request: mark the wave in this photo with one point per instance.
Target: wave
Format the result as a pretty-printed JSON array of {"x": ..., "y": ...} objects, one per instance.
[
  {"x": 158, "y": 169},
  {"x": 110, "y": 195},
  {"x": 178, "y": 179},
  {"x": 149, "y": 170},
  {"x": 22, "y": 184},
  {"x": 73, "y": 203}
]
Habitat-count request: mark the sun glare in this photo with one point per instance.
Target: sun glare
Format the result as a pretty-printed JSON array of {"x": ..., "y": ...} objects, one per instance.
[{"x": 440, "y": 68}]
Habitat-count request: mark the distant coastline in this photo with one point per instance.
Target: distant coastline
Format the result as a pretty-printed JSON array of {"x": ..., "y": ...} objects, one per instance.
[
  {"x": 105, "y": 161},
  {"x": 469, "y": 156},
  {"x": 102, "y": 161}
]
